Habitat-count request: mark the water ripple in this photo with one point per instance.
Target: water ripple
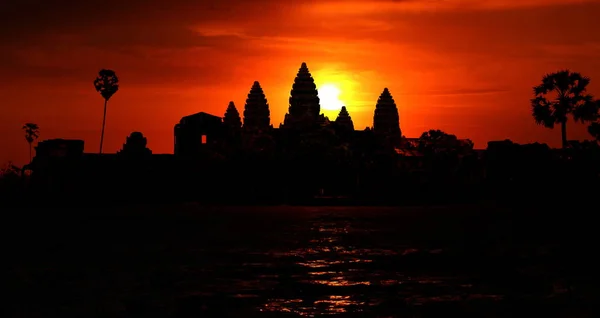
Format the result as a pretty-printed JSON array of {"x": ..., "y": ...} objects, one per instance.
[{"x": 309, "y": 265}]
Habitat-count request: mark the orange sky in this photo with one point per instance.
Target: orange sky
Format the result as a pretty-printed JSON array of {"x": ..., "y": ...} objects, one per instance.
[{"x": 466, "y": 67}]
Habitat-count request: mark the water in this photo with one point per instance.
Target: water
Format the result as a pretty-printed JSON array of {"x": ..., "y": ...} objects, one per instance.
[{"x": 189, "y": 261}]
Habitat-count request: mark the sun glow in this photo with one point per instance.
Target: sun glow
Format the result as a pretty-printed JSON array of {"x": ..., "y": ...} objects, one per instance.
[{"x": 329, "y": 97}]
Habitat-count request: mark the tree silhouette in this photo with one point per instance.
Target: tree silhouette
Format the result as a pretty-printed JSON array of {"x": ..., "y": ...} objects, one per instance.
[
  {"x": 9, "y": 176},
  {"x": 560, "y": 94},
  {"x": 435, "y": 139},
  {"x": 468, "y": 144},
  {"x": 107, "y": 84},
  {"x": 594, "y": 128},
  {"x": 32, "y": 132}
]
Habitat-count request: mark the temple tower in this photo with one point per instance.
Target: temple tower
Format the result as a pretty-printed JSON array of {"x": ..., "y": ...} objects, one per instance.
[
  {"x": 386, "y": 120},
  {"x": 256, "y": 110},
  {"x": 304, "y": 98},
  {"x": 232, "y": 119},
  {"x": 135, "y": 145},
  {"x": 343, "y": 120}
]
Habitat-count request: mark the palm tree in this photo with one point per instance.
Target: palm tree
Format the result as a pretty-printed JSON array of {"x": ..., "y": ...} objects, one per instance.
[
  {"x": 107, "y": 84},
  {"x": 560, "y": 94},
  {"x": 32, "y": 132},
  {"x": 594, "y": 128}
]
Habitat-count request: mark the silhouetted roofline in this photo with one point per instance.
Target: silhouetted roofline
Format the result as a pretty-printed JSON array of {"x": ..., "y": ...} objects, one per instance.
[
  {"x": 201, "y": 114},
  {"x": 113, "y": 153},
  {"x": 61, "y": 140}
]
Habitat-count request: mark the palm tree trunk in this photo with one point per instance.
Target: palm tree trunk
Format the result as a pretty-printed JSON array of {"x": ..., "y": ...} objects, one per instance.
[
  {"x": 103, "y": 123},
  {"x": 30, "y": 159},
  {"x": 563, "y": 132}
]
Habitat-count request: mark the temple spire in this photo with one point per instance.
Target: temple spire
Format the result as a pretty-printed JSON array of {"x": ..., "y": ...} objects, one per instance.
[
  {"x": 256, "y": 110},
  {"x": 344, "y": 120},
  {"x": 135, "y": 145},
  {"x": 304, "y": 98},
  {"x": 386, "y": 120},
  {"x": 232, "y": 119}
]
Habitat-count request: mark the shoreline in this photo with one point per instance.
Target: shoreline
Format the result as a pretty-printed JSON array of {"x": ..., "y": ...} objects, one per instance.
[{"x": 200, "y": 209}]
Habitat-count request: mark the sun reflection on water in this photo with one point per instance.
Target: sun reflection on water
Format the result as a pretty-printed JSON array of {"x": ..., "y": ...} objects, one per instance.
[
  {"x": 332, "y": 304},
  {"x": 326, "y": 252},
  {"x": 339, "y": 281},
  {"x": 334, "y": 272},
  {"x": 338, "y": 304}
]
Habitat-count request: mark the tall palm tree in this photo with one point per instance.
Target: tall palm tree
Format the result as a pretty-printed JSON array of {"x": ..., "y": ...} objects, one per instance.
[
  {"x": 107, "y": 84},
  {"x": 32, "y": 132},
  {"x": 559, "y": 95}
]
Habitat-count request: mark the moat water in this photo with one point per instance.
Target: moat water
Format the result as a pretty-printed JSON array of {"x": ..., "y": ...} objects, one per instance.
[{"x": 191, "y": 261}]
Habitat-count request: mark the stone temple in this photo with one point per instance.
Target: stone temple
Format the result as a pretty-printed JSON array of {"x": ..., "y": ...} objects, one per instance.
[{"x": 304, "y": 114}]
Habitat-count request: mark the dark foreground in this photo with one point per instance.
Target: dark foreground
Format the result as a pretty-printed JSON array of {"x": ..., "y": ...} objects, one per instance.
[{"x": 191, "y": 261}]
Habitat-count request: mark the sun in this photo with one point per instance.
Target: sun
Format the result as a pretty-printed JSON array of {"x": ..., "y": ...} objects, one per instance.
[{"x": 328, "y": 95}]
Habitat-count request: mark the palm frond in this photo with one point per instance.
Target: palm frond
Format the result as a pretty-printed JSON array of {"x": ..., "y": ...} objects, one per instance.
[
  {"x": 580, "y": 84},
  {"x": 106, "y": 83},
  {"x": 31, "y": 126},
  {"x": 548, "y": 84},
  {"x": 32, "y": 132},
  {"x": 594, "y": 130},
  {"x": 539, "y": 90},
  {"x": 542, "y": 112},
  {"x": 586, "y": 110},
  {"x": 562, "y": 80}
]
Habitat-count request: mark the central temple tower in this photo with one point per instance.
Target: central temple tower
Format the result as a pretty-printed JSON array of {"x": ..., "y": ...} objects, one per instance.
[
  {"x": 304, "y": 99},
  {"x": 386, "y": 121}
]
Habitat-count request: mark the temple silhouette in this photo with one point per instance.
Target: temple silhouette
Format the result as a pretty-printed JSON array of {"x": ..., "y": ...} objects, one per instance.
[
  {"x": 241, "y": 157},
  {"x": 207, "y": 131}
]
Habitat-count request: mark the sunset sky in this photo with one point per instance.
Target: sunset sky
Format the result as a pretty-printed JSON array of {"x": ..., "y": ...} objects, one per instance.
[{"x": 464, "y": 66}]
